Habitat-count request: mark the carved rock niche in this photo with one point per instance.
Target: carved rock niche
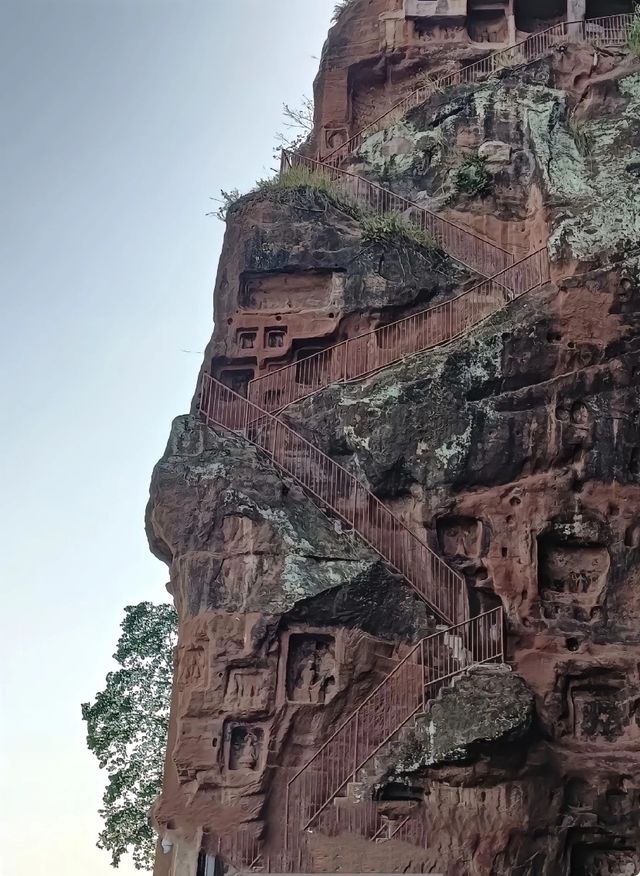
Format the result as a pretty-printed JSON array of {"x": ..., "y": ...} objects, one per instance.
[
  {"x": 460, "y": 536},
  {"x": 310, "y": 668},
  {"x": 245, "y": 747},
  {"x": 598, "y": 707},
  {"x": 572, "y": 573},
  {"x": 191, "y": 667},
  {"x": 247, "y": 691}
]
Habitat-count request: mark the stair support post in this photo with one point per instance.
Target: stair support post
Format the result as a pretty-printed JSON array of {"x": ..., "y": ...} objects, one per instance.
[
  {"x": 355, "y": 746},
  {"x": 424, "y": 677}
]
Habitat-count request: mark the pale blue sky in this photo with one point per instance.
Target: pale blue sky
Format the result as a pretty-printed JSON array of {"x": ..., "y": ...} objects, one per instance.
[{"x": 119, "y": 118}]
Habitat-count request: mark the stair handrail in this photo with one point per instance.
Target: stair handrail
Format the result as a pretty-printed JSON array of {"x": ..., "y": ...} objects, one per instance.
[
  {"x": 471, "y": 73},
  {"x": 350, "y": 359},
  {"x": 444, "y": 589},
  {"x": 462, "y": 244},
  {"x": 489, "y": 620}
]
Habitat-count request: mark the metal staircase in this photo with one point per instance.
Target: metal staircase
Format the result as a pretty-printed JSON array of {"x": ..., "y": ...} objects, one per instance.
[
  {"x": 613, "y": 30},
  {"x": 369, "y": 352},
  {"x": 324, "y": 795}
]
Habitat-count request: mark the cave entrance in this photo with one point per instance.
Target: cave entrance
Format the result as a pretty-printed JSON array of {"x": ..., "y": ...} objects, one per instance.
[
  {"x": 604, "y": 8},
  {"x": 532, "y": 18}
]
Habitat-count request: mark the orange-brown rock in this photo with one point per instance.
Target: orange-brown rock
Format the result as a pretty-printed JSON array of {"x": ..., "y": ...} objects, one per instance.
[{"x": 514, "y": 451}]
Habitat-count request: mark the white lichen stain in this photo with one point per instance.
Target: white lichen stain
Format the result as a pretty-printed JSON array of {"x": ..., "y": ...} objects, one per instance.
[
  {"x": 455, "y": 448},
  {"x": 354, "y": 440}
]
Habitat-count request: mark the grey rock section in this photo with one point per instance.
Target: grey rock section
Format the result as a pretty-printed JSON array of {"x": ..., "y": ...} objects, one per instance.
[
  {"x": 482, "y": 712},
  {"x": 239, "y": 537}
]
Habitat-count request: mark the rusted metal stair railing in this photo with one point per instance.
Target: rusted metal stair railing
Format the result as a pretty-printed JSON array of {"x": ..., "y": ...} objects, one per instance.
[
  {"x": 432, "y": 663},
  {"x": 437, "y": 584},
  {"x": 381, "y": 347},
  {"x": 462, "y": 244},
  {"x": 612, "y": 30}
]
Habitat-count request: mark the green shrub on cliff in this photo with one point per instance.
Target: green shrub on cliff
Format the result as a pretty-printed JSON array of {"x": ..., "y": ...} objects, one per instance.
[
  {"x": 304, "y": 181},
  {"x": 633, "y": 40},
  {"x": 394, "y": 230},
  {"x": 340, "y": 7},
  {"x": 127, "y": 730},
  {"x": 472, "y": 177}
]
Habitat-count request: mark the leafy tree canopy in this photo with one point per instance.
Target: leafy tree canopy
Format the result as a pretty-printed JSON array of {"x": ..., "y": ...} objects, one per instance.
[{"x": 127, "y": 730}]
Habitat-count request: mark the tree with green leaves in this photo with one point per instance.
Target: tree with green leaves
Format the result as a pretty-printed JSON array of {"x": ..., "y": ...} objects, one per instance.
[{"x": 127, "y": 730}]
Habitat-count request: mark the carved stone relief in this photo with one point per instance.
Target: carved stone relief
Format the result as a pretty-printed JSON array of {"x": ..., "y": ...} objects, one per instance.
[
  {"x": 247, "y": 690},
  {"x": 245, "y": 747},
  {"x": 311, "y": 668}
]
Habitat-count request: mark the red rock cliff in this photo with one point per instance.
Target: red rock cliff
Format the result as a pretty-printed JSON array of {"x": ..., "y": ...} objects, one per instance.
[{"x": 427, "y": 658}]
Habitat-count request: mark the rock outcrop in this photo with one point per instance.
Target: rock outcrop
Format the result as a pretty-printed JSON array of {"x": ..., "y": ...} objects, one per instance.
[{"x": 513, "y": 452}]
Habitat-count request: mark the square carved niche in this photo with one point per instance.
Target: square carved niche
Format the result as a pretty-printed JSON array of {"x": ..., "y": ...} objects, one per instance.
[
  {"x": 246, "y": 338},
  {"x": 310, "y": 667},
  {"x": 598, "y": 710},
  {"x": 245, "y": 747},
  {"x": 247, "y": 691},
  {"x": 275, "y": 338}
]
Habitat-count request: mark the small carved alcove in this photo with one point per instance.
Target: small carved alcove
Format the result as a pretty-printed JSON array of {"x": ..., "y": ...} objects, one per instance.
[
  {"x": 598, "y": 706},
  {"x": 310, "y": 668},
  {"x": 245, "y": 744},
  {"x": 274, "y": 338},
  {"x": 487, "y": 25},
  {"x": 573, "y": 569},
  {"x": 247, "y": 691},
  {"x": 460, "y": 536},
  {"x": 191, "y": 667},
  {"x": 246, "y": 339}
]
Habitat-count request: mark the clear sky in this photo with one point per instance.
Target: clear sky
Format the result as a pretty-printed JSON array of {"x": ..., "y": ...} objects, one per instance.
[{"x": 119, "y": 119}]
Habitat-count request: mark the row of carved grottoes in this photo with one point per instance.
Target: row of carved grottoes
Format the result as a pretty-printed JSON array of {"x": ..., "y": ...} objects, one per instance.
[
  {"x": 231, "y": 688},
  {"x": 574, "y": 570},
  {"x": 279, "y": 316}
]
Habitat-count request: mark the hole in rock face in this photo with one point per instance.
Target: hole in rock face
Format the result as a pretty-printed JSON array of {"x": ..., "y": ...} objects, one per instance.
[
  {"x": 514, "y": 501},
  {"x": 569, "y": 568},
  {"x": 505, "y": 552},
  {"x": 398, "y": 791},
  {"x": 572, "y": 644},
  {"x": 632, "y": 536},
  {"x": 237, "y": 380}
]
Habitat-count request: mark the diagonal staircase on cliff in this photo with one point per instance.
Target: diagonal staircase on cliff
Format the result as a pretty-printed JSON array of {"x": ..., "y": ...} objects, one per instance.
[
  {"x": 367, "y": 353},
  {"x": 315, "y": 798},
  {"x": 338, "y": 491},
  {"x": 403, "y": 694},
  {"x": 611, "y": 30},
  {"x": 323, "y": 795}
]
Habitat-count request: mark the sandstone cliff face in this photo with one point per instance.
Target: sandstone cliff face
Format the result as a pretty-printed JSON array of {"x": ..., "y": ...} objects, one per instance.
[{"x": 513, "y": 451}]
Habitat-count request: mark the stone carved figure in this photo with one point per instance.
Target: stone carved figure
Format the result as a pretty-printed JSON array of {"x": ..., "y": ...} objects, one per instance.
[
  {"x": 246, "y": 743},
  {"x": 311, "y": 670}
]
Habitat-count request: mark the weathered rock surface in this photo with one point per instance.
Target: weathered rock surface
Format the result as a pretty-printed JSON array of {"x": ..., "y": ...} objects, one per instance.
[
  {"x": 294, "y": 273},
  {"x": 569, "y": 127},
  {"x": 482, "y": 713},
  {"x": 515, "y": 451}
]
